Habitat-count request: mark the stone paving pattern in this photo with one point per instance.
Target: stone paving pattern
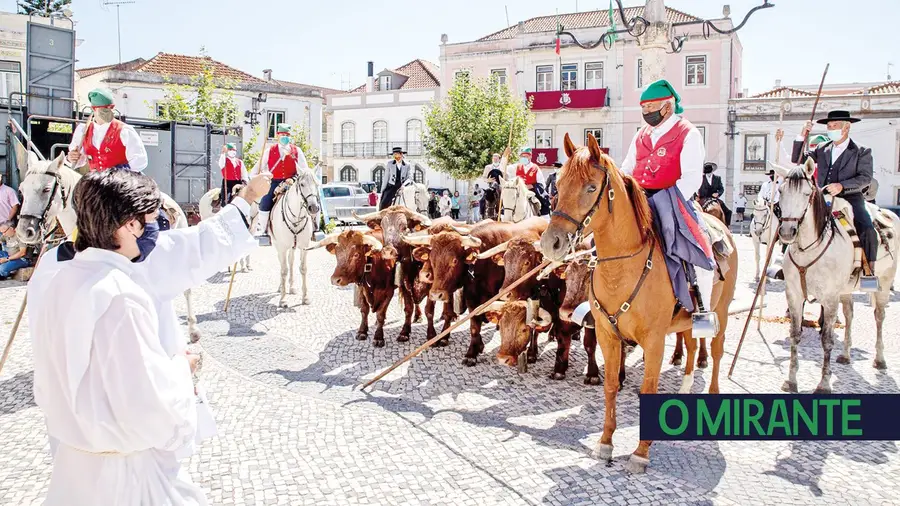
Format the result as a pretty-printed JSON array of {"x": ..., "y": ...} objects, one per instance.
[{"x": 294, "y": 428}]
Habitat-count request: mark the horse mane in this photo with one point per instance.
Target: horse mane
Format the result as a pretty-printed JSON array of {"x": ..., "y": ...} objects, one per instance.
[
  {"x": 639, "y": 203},
  {"x": 822, "y": 218}
]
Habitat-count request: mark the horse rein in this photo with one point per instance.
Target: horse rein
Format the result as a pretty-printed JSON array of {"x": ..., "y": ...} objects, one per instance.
[{"x": 286, "y": 211}]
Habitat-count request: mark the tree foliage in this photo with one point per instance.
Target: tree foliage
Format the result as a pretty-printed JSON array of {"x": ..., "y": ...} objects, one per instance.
[
  {"x": 209, "y": 99},
  {"x": 43, "y": 7},
  {"x": 471, "y": 123}
]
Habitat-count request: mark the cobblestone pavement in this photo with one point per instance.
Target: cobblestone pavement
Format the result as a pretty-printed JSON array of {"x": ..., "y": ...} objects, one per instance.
[{"x": 295, "y": 429}]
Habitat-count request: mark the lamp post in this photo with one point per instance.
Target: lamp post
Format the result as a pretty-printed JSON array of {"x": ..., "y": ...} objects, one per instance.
[{"x": 730, "y": 169}]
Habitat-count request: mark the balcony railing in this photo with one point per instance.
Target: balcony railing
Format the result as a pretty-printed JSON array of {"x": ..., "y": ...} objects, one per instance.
[{"x": 376, "y": 149}]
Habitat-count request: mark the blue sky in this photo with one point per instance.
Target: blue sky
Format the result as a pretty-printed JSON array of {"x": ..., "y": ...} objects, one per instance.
[{"x": 318, "y": 42}]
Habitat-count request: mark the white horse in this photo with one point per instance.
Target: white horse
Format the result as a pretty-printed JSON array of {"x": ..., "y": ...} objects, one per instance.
[
  {"x": 47, "y": 189},
  {"x": 819, "y": 265},
  {"x": 413, "y": 196},
  {"x": 515, "y": 201},
  {"x": 762, "y": 230},
  {"x": 209, "y": 206},
  {"x": 291, "y": 228}
]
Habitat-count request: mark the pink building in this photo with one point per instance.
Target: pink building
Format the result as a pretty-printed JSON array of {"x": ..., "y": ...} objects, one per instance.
[{"x": 598, "y": 90}]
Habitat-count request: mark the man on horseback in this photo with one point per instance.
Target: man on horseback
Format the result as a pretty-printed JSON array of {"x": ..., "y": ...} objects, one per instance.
[
  {"x": 233, "y": 172},
  {"x": 712, "y": 189},
  {"x": 534, "y": 179},
  {"x": 105, "y": 142},
  {"x": 666, "y": 158},
  {"x": 844, "y": 170},
  {"x": 397, "y": 175},
  {"x": 282, "y": 161},
  {"x": 493, "y": 174}
]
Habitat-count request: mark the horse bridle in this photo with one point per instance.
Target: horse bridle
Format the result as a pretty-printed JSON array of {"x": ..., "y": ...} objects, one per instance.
[
  {"x": 802, "y": 269},
  {"x": 577, "y": 237},
  {"x": 503, "y": 208},
  {"x": 286, "y": 210},
  {"x": 57, "y": 188},
  {"x": 765, "y": 223}
]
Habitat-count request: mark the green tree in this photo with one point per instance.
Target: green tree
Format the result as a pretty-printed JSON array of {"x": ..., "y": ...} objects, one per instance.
[
  {"x": 301, "y": 138},
  {"x": 212, "y": 99},
  {"x": 251, "y": 152},
  {"x": 43, "y": 7},
  {"x": 473, "y": 122}
]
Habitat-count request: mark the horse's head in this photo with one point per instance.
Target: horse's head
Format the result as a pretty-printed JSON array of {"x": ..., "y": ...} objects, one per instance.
[
  {"x": 800, "y": 200},
  {"x": 581, "y": 185},
  {"x": 308, "y": 189},
  {"x": 512, "y": 199},
  {"x": 45, "y": 194}
]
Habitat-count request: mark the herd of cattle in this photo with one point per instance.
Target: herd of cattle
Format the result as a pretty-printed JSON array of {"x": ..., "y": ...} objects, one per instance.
[{"x": 463, "y": 266}]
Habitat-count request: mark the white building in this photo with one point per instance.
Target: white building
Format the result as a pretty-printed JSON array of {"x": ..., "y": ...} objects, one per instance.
[
  {"x": 385, "y": 112},
  {"x": 756, "y": 118},
  {"x": 139, "y": 86}
]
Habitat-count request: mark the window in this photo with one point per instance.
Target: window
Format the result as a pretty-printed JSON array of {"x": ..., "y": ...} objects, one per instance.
[
  {"x": 324, "y": 179},
  {"x": 379, "y": 137},
  {"x": 751, "y": 190},
  {"x": 461, "y": 74},
  {"x": 384, "y": 83},
  {"x": 702, "y": 130},
  {"x": 419, "y": 175},
  {"x": 337, "y": 191},
  {"x": 695, "y": 71},
  {"x": 755, "y": 152},
  {"x": 348, "y": 175},
  {"x": 160, "y": 110},
  {"x": 325, "y": 130},
  {"x": 10, "y": 78},
  {"x": 348, "y": 137},
  {"x": 544, "y": 78},
  {"x": 414, "y": 137},
  {"x": 378, "y": 175},
  {"x": 275, "y": 119},
  {"x": 568, "y": 77},
  {"x": 897, "y": 201},
  {"x": 596, "y": 132},
  {"x": 543, "y": 139},
  {"x": 499, "y": 75},
  {"x": 593, "y": 75},
  {"x": 640, "y": 73}
]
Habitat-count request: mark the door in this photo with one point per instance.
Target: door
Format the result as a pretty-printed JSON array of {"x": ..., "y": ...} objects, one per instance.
[
  {"x": 50, "y": 69},
  {"x": 190, "y": 167}
]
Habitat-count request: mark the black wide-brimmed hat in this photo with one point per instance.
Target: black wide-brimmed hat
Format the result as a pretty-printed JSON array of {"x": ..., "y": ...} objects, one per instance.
[
  {"x": 557, "y": 165},
  {"x": 711, "y": 165},
  {"x": 398, "y": 150},
  {"x": 838, "y": 116}
]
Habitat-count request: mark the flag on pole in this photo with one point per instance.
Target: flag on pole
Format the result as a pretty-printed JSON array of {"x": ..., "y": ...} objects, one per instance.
[
  {"x": 558, "y": 30},
  {"x": 612, "y": 23}
]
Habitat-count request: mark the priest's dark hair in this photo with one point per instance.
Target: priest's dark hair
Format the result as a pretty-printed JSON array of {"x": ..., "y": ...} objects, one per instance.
[{"x": 105, "y": 201}]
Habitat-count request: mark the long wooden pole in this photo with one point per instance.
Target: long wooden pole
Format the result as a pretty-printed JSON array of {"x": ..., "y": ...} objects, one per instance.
[
  {"x": 772, "y": 243},
  {"x": 771, "y": 231},
  {"x": 475, "y": 312},
  {"x": 234, "y": 267},
  {"x": 15, "y": 328}
]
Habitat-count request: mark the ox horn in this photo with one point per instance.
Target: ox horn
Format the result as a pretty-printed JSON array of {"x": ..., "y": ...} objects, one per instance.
[
  {"x": 461, "y": 230},
  {"x": 369, "y": 216},
  {"x": 373, "y": 242},
  {"x": 496, "y": 250},
  {"x": 329, "y": 239},
  {"x": 418, "y": 240},
  {"x": 424, "y": 220},
  {"x": 496, "y": 306},
  {"x": 471, "y": 242},
  {"x": 544, "y": 318},
  {"x": 544, "y": 274}
]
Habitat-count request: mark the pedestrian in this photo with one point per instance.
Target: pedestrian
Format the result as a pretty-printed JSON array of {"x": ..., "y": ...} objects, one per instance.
[
  {"x": 14, "y": 254},
  {"x": 373, "y": 198},
  {"x": 445, "y": 204},
  {"x": 475, "y": 203},
  {"x": 111, "y": 373},
  {"x": 9, "y": 201},
  {"x": 433, "y": 206},
  {"x": 740, "y": 205},
  {"x": 454, "y": 205},
  {"x": 233, "y": 172}
]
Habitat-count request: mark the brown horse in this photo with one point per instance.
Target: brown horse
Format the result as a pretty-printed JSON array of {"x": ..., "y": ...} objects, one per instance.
[{"x": 630, "y": 282}]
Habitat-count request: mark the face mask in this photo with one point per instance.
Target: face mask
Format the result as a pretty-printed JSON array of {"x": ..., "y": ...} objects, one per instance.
[
  {"x": 147, "y": 241},
  {"x": 284, "y": 140},
  {"x": 524, "y": 161},
  {"x": 103, "y": 116},
  {"x": 232, "y": 154},
  {"x": 653, "y": 118},
  {"x": 771, "y": 178},
  {"x": 835, "y": 135}
]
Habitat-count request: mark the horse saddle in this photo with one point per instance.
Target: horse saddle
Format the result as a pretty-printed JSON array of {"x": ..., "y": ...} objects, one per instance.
[
  {"x": 171, "y": 213},
  {"x": 717, "y": 234},
  {"x": 881, "y": 219},
  {"x": 534, "y": 202},
  {"x": 283, "y": 188}
]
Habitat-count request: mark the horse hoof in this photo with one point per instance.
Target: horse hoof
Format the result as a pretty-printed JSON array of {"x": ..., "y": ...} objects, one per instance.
[
  {"x": 592, "y": 380},
  {"x": 558, "y": 376},
  {"x": 442, "y": 343},
  {"x": 378, "y": 343},
  {"x": 602, "y": 452},
  {"x": 293, "y": 291},
  {"x": 195, "y": 336},
  {"x": 789, "y": 387},
  {"x": 305, "y": 302},
  {"x": 881, "y": 365},
  {"x": 470, "y": 362},
  {"x": 676, "y": 361},
  {"x": 822, "y": 390},
  {"x": 637, "y": 465},
  {"x": 283, "y": 304},
  {"x": 362, "y": 336},
  {"x": 702, "y": 363},
  {"x": 402, "y": 338},
  {"x": 842, "y": 359}
]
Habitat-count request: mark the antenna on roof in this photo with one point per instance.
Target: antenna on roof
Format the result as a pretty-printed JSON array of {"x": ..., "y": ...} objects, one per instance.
[
  {"x": 889, "y": 70},
  {"x": 507, "y": 15},
  {"x": 107, "y": 3}
]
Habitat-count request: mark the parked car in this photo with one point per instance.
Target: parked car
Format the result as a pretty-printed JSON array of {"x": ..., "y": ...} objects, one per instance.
[{"x": 341, "y": 199}]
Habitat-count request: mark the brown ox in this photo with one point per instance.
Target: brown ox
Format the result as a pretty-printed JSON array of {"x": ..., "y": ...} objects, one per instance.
[
  {"x": 518, "y": 329},
  {"x": 595, "y": 196},
  {"x": 361, "y": 259},
  {"x": 454, "y": 264}
]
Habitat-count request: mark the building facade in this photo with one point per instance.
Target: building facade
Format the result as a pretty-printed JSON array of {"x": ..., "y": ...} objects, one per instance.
[
  {"x": 597, "y": 91},
  {"x": 757, "y": 118},
  {"x": 140, "y": 85},
  {"x": 387, "y": 111}
]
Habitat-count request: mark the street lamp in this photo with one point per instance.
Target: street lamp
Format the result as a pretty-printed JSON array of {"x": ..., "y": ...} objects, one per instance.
[{"x": 732, "y": 120}]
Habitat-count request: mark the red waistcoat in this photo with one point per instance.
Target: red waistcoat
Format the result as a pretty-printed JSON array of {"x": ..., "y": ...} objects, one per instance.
[
  {"x": 112, "y": 150},
  {"x": 232, "y": 170},
  {"x": 529, "y": 174},
  {"x": 658, "y": 168},
  {"x": 283, "y": 168}
]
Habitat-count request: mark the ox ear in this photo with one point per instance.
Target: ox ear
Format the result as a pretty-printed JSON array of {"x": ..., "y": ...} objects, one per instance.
[
  {"x": 493, "y": 316},
  {"x": 471, "y": 255},
  {"x": 560, "y": 271},
  {"x": 594, "y": 148},
  {"x": 421, "y": 253},
  {"x": 331, "y": 248},
  {"x": 569, "y": 146},
  {"x": 498, "y": 259}
]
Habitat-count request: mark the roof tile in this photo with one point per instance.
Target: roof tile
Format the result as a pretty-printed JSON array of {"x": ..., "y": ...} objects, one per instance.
[{"x": 421, "y": 73}]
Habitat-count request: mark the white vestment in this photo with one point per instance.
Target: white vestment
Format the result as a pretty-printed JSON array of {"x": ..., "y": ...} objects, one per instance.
[{"x": 182, "y": 259}]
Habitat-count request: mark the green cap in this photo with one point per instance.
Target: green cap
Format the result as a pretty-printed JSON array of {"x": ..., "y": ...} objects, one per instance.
[
  {"x": 284, "y": 128},
  {"x": 661, "y": 90},
  {"x": 230, "y": 146},
  {"x": 525, "y": 151},
  {"x": 101, "y": 97}
]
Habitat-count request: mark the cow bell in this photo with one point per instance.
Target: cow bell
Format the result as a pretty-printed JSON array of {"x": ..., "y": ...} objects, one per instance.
[
  {"x": 356, "y": 296},
  {"x": 522, "y": 362},
  {"x": 583, "y": 316},
  {"x": 458, "y": 302},
  {"x": 398, "y": 275}
]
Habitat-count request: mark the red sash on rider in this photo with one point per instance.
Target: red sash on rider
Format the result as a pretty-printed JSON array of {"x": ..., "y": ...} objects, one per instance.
[
  {"x": 659, "y": 167},
  {"x": 232, "y": 170},
  {"x": 283, "y": 168},
  {"x": 528, "y": 175},
  {"x": 112, "y": 150}
]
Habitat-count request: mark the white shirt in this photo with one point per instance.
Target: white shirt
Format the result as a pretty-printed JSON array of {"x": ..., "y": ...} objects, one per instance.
[
  {"x": 765, "y": 191},
  {"x": 740, "y": 202},
  {"x": 692, "y": 155},
  {"x": 244, "y": 176},
  {"x": 95, "y": 404},
  {"x": 8, "y": 200},
  {"x": 135, "y": 152}
]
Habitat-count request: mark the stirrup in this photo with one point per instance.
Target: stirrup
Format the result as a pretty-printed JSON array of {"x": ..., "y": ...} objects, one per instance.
[
  {"x": 775, "y": 272},
  {"x": 869, "y": 283},
  {"x": 705, "y": 325},
  {"x": 582, "y": 315}
]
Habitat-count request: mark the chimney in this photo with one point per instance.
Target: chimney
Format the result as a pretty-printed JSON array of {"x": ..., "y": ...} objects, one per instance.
[
  {"x": 370, "y": 78},
  {"x": 778, "y": 83},
  {"x": 267, "y": 75},
  {"x": 746, "y": 92}
]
